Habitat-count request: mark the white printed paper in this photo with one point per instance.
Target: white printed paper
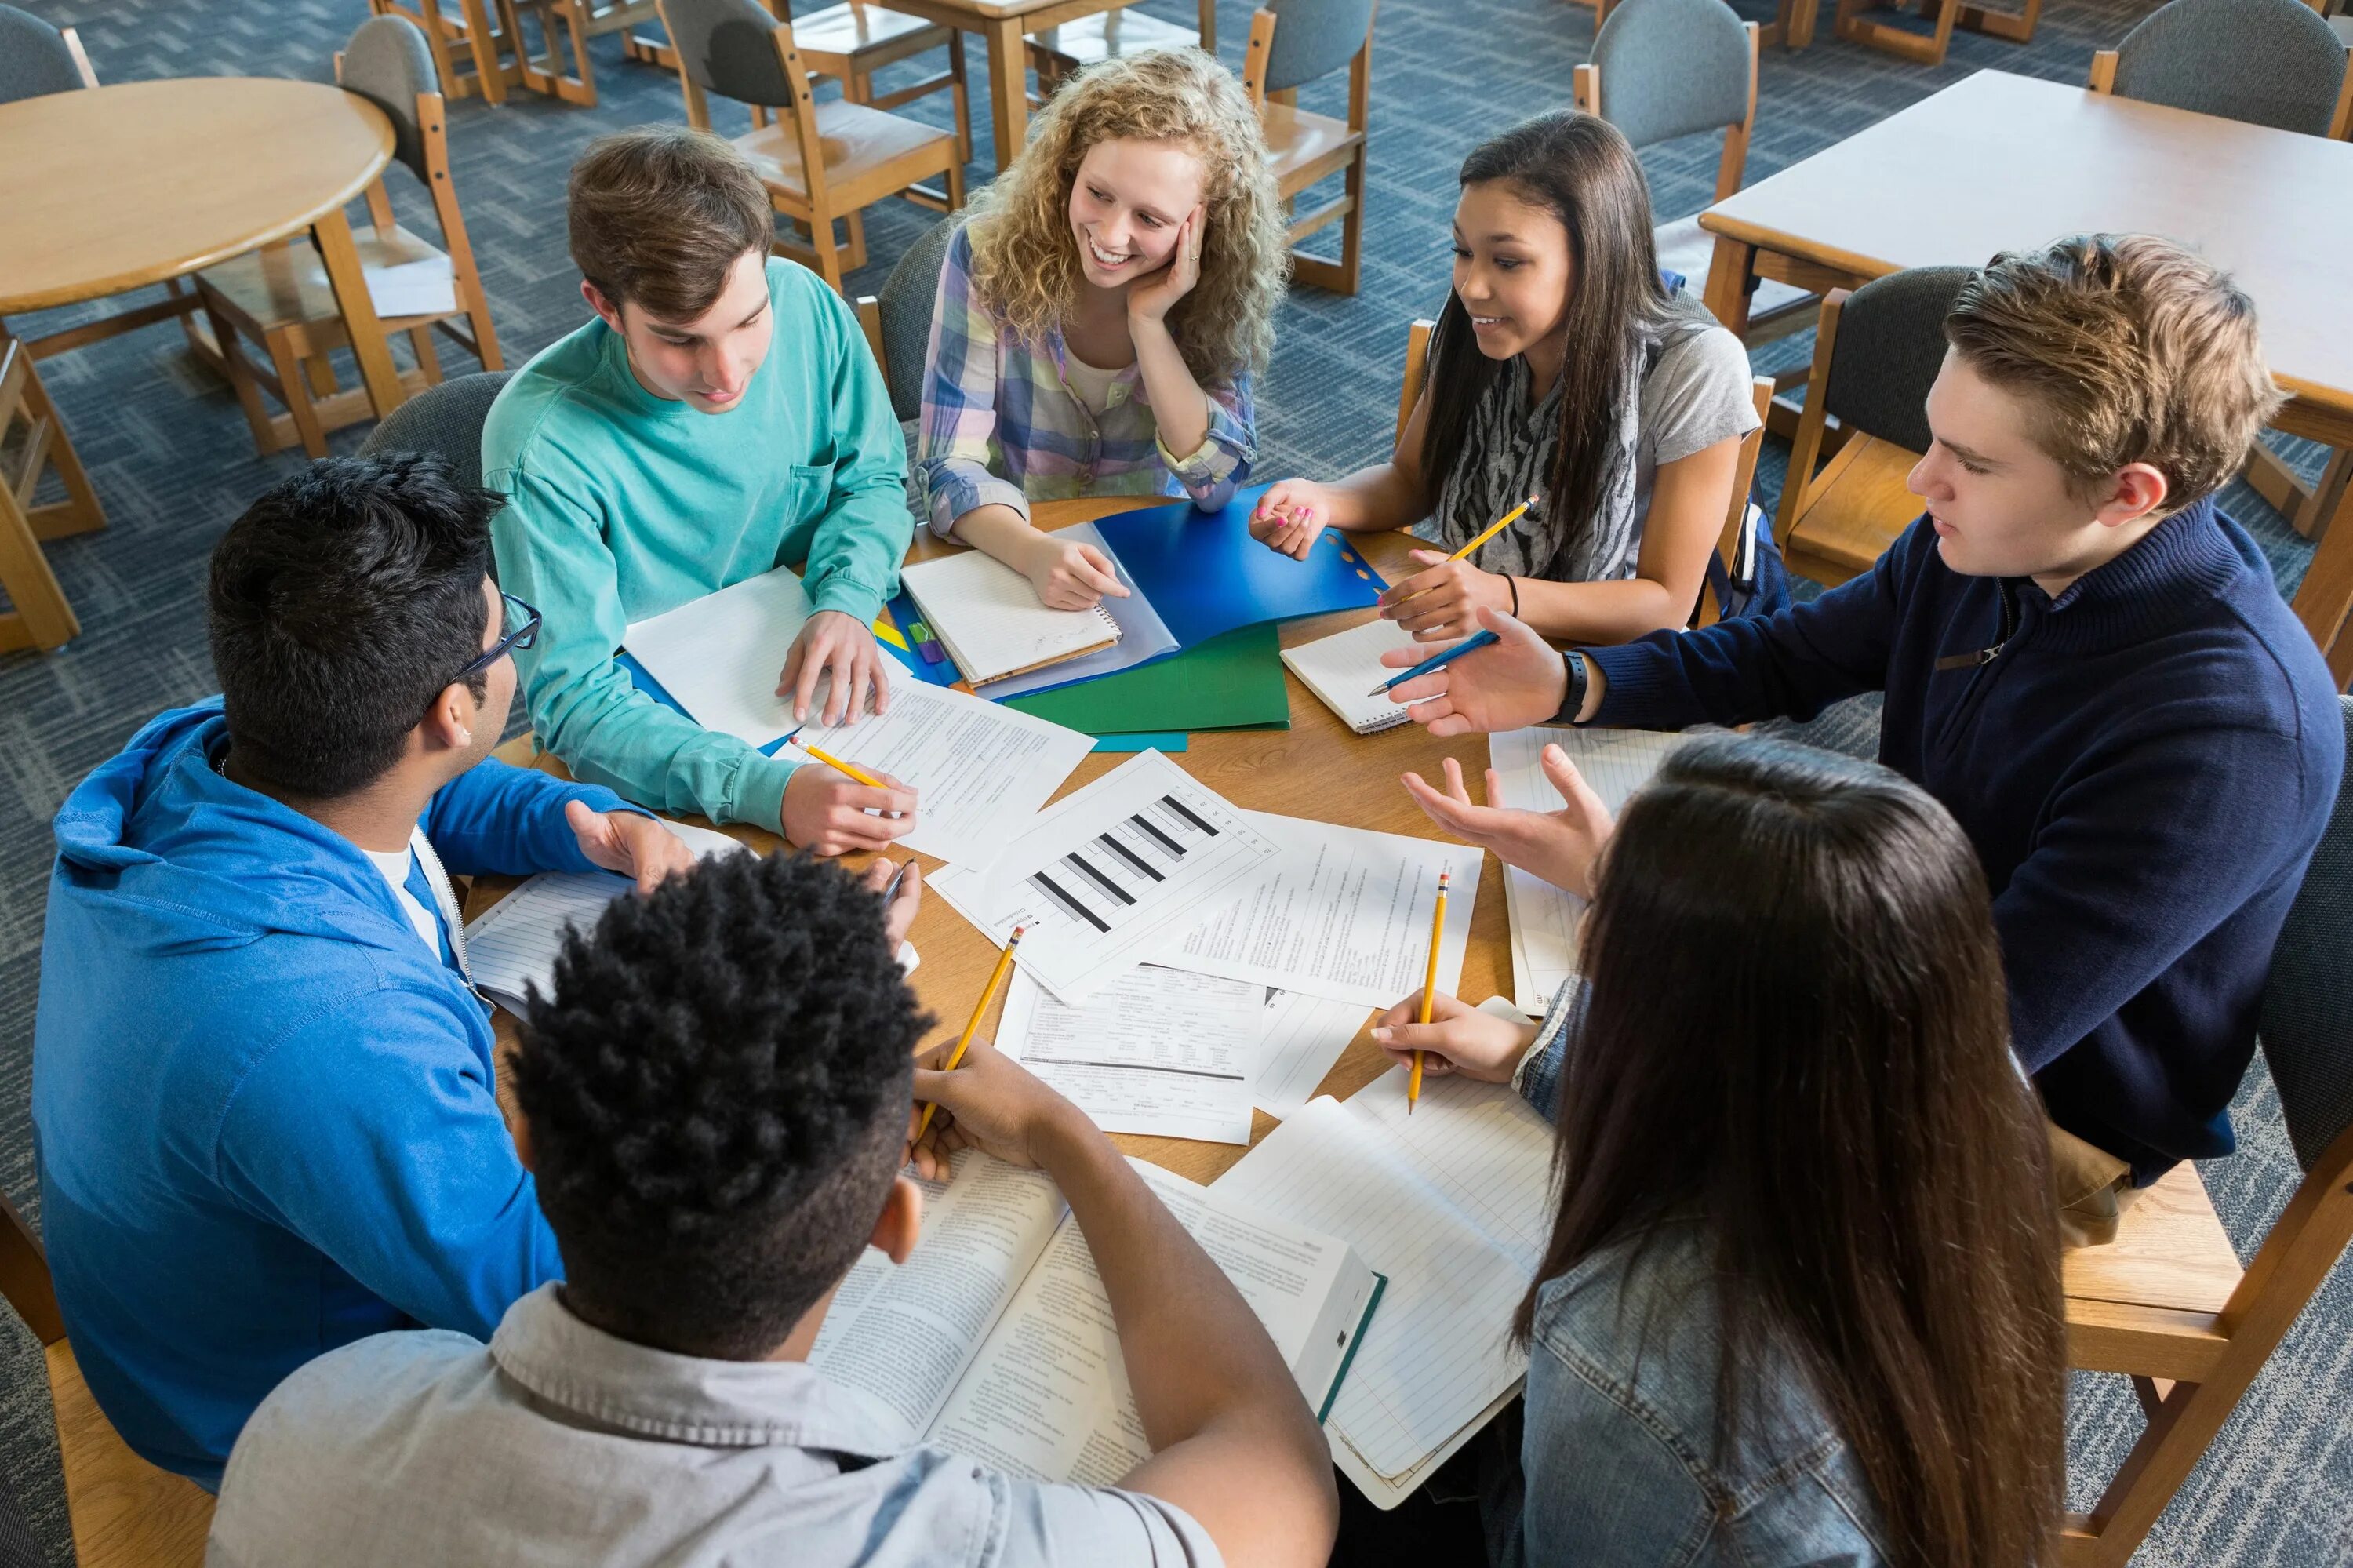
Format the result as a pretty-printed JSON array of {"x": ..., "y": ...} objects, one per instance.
[
  {"x": 425, "y": 287},
  {"x": 1158, "y": 1052},
  {"x": 1305, "y": 1035},
  {"x": 1110, "y": 873},
  {"x": 1346, "y": 915}
]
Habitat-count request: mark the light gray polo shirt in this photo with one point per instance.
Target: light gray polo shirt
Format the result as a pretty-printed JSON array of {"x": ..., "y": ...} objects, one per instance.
[{"x": 559, "y": 1444}]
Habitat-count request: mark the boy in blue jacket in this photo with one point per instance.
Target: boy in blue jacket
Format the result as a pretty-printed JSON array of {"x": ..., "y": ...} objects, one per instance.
[
  {"x": 2084, "y": 660},
  {"x": 262, "y": 1086}
]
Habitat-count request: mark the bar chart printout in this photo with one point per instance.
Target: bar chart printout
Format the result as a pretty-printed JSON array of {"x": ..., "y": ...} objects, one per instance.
[{"x": 1111, "y": 872}]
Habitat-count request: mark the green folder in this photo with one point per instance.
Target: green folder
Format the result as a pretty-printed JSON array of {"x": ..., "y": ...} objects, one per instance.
[{"x": 1230, "y": 682}]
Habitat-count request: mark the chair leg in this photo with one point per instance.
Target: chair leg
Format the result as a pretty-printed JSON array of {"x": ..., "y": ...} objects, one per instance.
[
  {"x": 828, "y": 259},
  {"x": 427, "y": 361},
  {"x": 1352, "y": 227},
  {"x": 961, "y": 95},
  {"x": 490, "y": 73},
  {"x": 298, "y": 406},
  {"x": 42, "y": 618},
  {"x": 956, "y": 187},
  {"x": 319, "y": 368},
  {"x": 79, "y": 512},
  {"x": 241, "y": 382}
]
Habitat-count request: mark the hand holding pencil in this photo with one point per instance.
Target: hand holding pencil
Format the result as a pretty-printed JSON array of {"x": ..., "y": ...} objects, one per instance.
[
  {"x": 1441, "y": 600},
  {"x": 980, "y": 1011}
]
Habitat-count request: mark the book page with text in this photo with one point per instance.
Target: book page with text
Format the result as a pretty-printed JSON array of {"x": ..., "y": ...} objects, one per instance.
[{"x": 904, "y": 1334}]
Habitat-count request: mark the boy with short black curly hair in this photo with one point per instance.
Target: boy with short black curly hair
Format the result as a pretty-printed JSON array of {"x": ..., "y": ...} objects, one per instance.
[{"x": 716, "y": 1102}]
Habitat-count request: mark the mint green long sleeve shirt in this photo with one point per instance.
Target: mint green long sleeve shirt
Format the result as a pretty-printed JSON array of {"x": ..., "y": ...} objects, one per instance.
[{"x": 622, "y": 506}]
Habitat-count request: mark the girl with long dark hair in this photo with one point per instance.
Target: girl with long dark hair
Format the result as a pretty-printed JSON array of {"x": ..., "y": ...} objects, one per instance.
[
  {"x": 1561, "y": 367},
  {"x": 1800, "y": 1301}
]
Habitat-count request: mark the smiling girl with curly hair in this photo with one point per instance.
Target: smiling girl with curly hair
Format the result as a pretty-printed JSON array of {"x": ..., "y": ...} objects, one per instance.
[{"x": 1101, "y": 314}]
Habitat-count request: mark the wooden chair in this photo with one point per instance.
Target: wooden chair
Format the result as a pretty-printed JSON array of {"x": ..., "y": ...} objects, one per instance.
[
  {"x": 1942, "y": 15},
  {"x": 1296, "y": 41},
  {"x": 125, "y": 1511},
  {"x": 575, "y": 21},
  {"x": 1731, "y": 543},
  {"x": 1061, "y": 52},
  {"x": 850, "y": 42},
  {"x": 41, "y": 617},
  {"x": 1416, "y": 372},
  {"x": 277, "y": 298},
  {"x": 1876, "y": 353},
  {"x": 898, "y": 322},
  {"x": 2266, "y": 62},
  {"x": 1678, "y": 68},
  {"x": 819, "y": 161},
  {"x": 480, "y": 70},
  {"x": 2167, "y": 1303}
]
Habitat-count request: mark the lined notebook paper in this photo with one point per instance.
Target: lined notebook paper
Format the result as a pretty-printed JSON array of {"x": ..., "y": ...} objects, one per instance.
[
  {"x": 988, "y": 618},
  {"x": 1341, "y": 668},
  {"x": 1451, "y": 1204},
  {"x": 1545, "y": 919},
  {"x": 719, "y": 655}
]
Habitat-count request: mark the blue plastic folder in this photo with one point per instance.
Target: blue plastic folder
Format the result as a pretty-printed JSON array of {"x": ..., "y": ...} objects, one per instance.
[{"x": 1206, "y": 575}]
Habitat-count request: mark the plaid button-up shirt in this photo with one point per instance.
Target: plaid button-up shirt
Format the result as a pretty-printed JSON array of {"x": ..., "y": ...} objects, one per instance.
[{"x": 1000, "y": 423}]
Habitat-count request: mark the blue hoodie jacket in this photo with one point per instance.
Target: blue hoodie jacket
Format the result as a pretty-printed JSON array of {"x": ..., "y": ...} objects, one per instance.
[{"x": 262, "y": 1108}]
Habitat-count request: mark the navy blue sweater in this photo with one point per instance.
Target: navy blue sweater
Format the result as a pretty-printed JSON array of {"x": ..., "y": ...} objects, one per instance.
[{"x": 2144, "y": 769}]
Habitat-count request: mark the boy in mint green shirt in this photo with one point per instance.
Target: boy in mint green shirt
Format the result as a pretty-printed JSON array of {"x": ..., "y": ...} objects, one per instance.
[{"x": 721, "y": 417}]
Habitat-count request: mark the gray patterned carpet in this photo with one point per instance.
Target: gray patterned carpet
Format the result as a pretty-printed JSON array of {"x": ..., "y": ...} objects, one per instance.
[{"x": 171, "y": 459}]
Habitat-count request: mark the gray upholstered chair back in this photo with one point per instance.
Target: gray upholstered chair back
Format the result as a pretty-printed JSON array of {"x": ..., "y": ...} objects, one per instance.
[
  {"x": 2308, "y": 1018},
  {"x": 1890, "y": 344},
  {"x": 388, "y": 64},
  {"x": 34, "y": 58},
  {"x": 2267, "y": 62},
  {"x": 906, "y": 301},
  {"x": 443, "y": 421},
  {"x": 1671, "y": 67},
  {"x": 728, "y": 47},
  {"x": 1314, "y": 39}
]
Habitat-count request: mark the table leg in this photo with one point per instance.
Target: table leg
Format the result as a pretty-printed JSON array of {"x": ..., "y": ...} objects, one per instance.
[
  {"x": 1802, "y": 15},
  {"x": 1727, "y": 282},
  {"x": 333, "y": 233},
  {"x": 2324, "y": 602},
  {"x": 1009, "y": 88}
]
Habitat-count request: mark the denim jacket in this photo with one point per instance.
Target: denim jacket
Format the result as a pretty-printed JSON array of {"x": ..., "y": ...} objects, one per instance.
[{"x": 1618, "y": 1461}]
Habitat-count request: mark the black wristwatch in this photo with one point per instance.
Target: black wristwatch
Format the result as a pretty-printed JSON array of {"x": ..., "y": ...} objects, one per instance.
[{"x": 1578, "y": 678}]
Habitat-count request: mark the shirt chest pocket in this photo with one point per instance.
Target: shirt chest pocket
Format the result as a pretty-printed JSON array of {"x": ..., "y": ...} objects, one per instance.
[{"x": 778, "y": 516}]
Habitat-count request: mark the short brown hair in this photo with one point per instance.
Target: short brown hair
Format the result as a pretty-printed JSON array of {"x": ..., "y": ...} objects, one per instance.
[
  {"x": 2131, "y": 349},
  {"x": 658, "y": 213}
]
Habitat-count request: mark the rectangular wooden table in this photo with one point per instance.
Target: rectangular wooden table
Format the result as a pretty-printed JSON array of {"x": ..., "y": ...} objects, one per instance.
[
  {"x": 2000, "y": 162},
  {"x": 1317, "y": 768}
]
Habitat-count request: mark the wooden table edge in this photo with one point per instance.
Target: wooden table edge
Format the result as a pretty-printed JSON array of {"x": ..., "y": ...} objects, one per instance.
[{"x": 17, "y": 304}]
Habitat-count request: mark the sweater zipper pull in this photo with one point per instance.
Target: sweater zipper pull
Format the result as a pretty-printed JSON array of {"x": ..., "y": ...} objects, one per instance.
[{"x": 1969, "y": 660}]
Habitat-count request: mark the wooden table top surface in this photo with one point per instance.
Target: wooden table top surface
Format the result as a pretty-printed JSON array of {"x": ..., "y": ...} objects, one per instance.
[
  {"x": 112, "y": 187},
  {"x": 2001, "y": 162},
  {"x": 1317, "y": 768}
]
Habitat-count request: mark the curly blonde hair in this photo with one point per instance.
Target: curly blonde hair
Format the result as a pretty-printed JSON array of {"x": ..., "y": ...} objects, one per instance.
[{"x": 1025, "y": 261}]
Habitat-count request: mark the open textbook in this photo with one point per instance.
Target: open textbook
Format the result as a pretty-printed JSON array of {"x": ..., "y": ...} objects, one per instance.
[
  {"x": 1545, "y": 919},
  {"x": 994, "y": 1338},
  {"x": 1452, "y": 1205}
]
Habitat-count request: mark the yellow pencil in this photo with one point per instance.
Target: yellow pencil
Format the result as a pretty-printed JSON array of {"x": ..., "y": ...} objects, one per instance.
[
  {"x": 996, "y": 978},
  {"x": 1428, "y": 986},
  {"x": 854, "y": 772},
  {"x": 1491, "y": 529}
]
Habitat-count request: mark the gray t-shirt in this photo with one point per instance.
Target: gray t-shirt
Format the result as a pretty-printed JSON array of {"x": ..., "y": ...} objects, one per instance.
[{"x": 1694, "y": 395}]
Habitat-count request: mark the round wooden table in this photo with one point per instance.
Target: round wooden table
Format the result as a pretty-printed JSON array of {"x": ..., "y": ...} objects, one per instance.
[{"x": 114, "y": 187}]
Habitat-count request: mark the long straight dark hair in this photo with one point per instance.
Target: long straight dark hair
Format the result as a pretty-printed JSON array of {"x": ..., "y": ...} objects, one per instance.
[
  {"x": 1578, "y": 167},
  {"x": 1797, "y": 1031}
]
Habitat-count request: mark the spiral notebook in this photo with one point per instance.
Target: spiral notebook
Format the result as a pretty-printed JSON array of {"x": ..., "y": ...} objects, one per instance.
[
  {"x": 987, "y": 617},
  {"x": 1341, "y": 668}
]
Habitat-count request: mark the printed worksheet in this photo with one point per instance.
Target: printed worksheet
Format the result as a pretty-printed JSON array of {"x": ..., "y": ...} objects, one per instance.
[
  {"x": 981, "y": 770},
  {"x": 1109, "y": 873},
  {"x": 1158, "y": 1051},
  {"x": 1346, "y": 915},
  {"x": 1303, "y": 1036}
]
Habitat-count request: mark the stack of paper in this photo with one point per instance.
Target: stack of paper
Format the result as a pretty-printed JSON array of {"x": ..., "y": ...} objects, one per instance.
[
  {"x": 1545, "y": 919},
  {"x": 1453, "y": 1204}
]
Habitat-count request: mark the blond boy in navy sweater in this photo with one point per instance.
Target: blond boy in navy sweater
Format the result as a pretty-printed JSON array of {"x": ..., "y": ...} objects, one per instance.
[{"x": 2084, "y": 660}]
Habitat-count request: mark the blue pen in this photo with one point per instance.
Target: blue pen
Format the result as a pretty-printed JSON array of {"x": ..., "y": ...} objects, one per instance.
[{"x": 1468, "y": 645}]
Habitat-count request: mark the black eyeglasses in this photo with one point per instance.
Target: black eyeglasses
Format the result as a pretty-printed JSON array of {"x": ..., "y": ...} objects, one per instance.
[{"x": 521, "y": 632}]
